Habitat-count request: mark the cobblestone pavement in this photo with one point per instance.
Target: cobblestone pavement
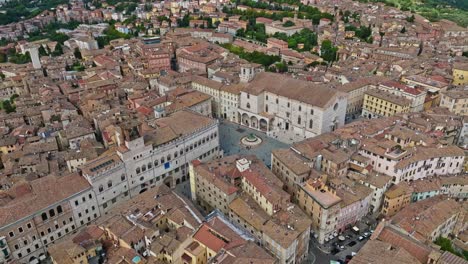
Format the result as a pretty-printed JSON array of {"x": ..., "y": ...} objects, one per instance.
[
  {"x": 286, "y": 136},
  {"x": 231, "y": 134}
]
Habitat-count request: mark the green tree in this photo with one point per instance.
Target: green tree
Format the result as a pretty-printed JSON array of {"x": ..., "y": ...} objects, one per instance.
[
  {"x": 13, "y": 97},
  {"x": 8, "y": 107},
  {"x": 382, "y": 34},
  {"x": 184, "y": 22},
  {"x": 281, "y": 66},
  {"x": 410, "y": 19},
  {"x": 18, "y": 58},
  {"x": 288, "y": 23},
  {"x": 328, "y": 51},
  {"x": 446, "y": 245},
  {"x": 3, "y": 58},
  {"x": 77, "y": 53},
  {"x": 240, "y": 32},
  {"x": 42, "y": 51},
  {"x": 58, "y": 50}
]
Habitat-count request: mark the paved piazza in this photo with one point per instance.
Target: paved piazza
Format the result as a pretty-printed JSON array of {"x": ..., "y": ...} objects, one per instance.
[{"x": 231, "y": 134}]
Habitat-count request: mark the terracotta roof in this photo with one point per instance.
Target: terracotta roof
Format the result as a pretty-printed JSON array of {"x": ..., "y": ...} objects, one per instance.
[
  {"x": 291, "y": 160},
  {"x": 417, "y": 249},
  {"x": 216, "y": 235},
  {"x": 40, "y": 194},
  {"x": 421, "y": 218},
  {"x": 306, "y": 92},
  {"x": 375, "y": 251}
]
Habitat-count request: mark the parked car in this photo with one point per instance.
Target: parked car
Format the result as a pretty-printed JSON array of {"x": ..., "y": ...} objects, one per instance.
[
  {"x": 366, "y": 234},
  {"x": 360, "y": 238},
  {"x": 352, "y": 243},
  {"x": 334, "y": 251}
]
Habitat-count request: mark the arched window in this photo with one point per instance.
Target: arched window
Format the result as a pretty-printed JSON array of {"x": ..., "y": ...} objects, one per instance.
[
  {"x": 122, "y": 177},
  {"x": 266, "y": 108},
  {"x": 138, "y": 170},
  {"x": 150, "y": 165},
  {"x": 143, "y": 168},
  {"x": 298, "y": 120},
  {"x": 156, "y": 163},
  {"x": 101, "y": 188},
  {"x": 109, "y": 184},
  {"x": 44, "y": 216},
  {"x": 300, "y": 108},
  {"x": 51, "y": 212},
  {"x": 335, "y": 106},
  {"x": 59, "y": 209},
  {"x": 248, "y": 105},
  {"x": 311, "y": 124},
  {"x": 312, "y": 111},
  {"x": 169, "y": 157},
  {"x": 162, "y": 160}
]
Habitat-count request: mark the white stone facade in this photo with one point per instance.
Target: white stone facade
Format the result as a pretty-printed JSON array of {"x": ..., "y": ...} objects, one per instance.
[{"x": 269, "y": 112}]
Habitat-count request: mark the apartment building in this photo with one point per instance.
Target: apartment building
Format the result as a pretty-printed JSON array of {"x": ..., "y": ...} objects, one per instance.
[
  {"x": 225, "y": 97},
  {"x": 405, "y": 164},
  {"x": 149, "y": 158},
  {"x": 460, "y": 73},
  {"x": 277, "y": 43},
  {"x": 12, "y": 86},
  {"x": 325, "y": 154},
  {"x": 355, "y": 202},
  {"x": 355, "y": 95},
  {"x": 417, "y": 96},
  {"x": 455, "y": 186},
  {"x": 396, "y": 198},
  {"x": 37, "y": 213},
  {"x": 455, "y": 100},
  {"x": 268, "y": 104},
  {"x": 198, "y": 57},
  {"x": 290, "y": 168},
  {"x": 208, "y": 186},
  {"x": 378, "y": 183},
  {"x": 218, "y": 241},
  {"x": 322, "y": 205},
  {"x": 255, "y": 202},
  {"x": 82, "y": 248},
  {"x": 434, "y": 86},
  {"x": 380, "y": 103},
  {"x": 8, "y": 144},
  {"x": 181, "y": 99},
  {"x": 424, "y": 189},
  {"x": 429, "y": 219}
]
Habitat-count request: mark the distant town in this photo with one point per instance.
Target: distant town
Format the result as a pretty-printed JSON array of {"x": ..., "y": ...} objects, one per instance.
[{"x": 233, "y": 132}]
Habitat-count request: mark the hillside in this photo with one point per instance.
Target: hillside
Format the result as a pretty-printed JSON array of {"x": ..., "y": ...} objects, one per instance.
[{"x": 434, "y": 10}]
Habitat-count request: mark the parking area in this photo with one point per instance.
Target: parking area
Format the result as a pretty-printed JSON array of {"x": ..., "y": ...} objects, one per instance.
[
  {"x": 342, "y": 245},
  {"x": 352, "y": 243}
]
